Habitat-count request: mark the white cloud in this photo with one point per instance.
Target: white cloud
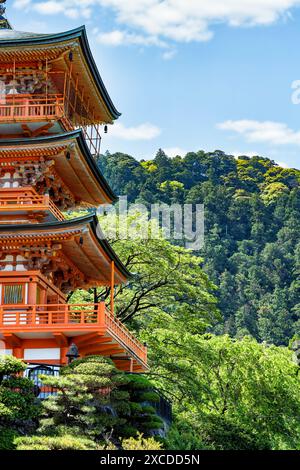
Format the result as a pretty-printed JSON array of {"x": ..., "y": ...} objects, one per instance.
[
  {"x": 172, "y": 152},
  {"x": 121, "y": 38},
  {"x": 55, "y": 7},
  {"x": 52, "y": 7},
  {"x": 169, "y": 54},
  {"x": 144, "y": 131},
  {"x": 20, "y": 4},
  {"x": 173, "y": 20},
  {"x": 270, "y": 132},
  {"x": 283, "y": 164}
]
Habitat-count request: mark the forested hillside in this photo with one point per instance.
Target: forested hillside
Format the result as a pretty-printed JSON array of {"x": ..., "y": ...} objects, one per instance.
[
  {"x": 226, "y": 393},
  {"x": 252, "y": 243}
]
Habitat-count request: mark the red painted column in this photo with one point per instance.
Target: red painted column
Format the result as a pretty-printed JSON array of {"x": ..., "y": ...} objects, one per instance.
[
  {"x": 18, "y": 353},
  {"x": 63, "y": 357},
  {"x": 32, "y": 292}
]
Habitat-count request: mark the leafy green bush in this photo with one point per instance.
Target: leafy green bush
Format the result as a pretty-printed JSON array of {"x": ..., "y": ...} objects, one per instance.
[
  {"x": 183, "y": 436},
  {"x": 141, "y": 443},
  {"x": 214, "y": 433},
  {"x": 7, "y": 436},
  {"x": 18, "y": 407},
  {"x": 66, "y": 442},
  {"x": 10, "y": 365}
]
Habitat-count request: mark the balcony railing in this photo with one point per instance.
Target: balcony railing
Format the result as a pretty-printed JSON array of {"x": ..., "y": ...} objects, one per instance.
[
  {"x": 31, "y": 107},
  {"x": 83, "y": 317},
  {"x": 28, "y": 203}
]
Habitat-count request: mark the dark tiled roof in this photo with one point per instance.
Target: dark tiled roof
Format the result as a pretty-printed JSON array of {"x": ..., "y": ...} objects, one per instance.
[{"x": 12, "y": 38}]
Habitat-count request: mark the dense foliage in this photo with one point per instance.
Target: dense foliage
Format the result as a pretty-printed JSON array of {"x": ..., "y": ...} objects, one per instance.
[
  {"x": 252, "y": 223},
  {"x": 95, "y": 405},
  {"x": 18, "y": 409},
  {"x": 165, "y": 278},
  {"x": 227, "y": 394},
  {"x": 67, "y": 442},
  {"x": 229, "y": 391}
]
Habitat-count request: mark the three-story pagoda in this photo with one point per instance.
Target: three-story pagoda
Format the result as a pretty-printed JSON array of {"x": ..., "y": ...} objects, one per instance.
[{"x": 52, "y": 104}]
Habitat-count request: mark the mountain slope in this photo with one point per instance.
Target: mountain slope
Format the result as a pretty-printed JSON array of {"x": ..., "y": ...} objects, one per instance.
[{"x": 252, "y": 230}]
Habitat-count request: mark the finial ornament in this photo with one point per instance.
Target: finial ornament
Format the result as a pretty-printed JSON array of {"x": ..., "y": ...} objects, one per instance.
[{"x": 4, "y": 23}]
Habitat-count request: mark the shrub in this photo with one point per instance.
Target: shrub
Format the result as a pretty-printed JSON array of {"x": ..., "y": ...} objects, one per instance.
[
  {"x": 141, "y": 443},
  {"x": 7, "y": 436},
  {"x": 66, "y": 442},
  {"x": 18, "y": 407}
]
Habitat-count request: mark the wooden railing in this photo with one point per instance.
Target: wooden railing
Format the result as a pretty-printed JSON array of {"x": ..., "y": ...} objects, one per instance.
[
  {"x": 120, "y": 332},
  {"x": 70, "y": 316},
  {"x": 31, "y": 107},
  {"x": 56, "y": 106},
  {"x": 28, "y": 203}
]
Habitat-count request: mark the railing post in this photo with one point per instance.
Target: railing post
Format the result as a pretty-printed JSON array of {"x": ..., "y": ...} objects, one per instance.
[
  {"x": 57, "y": 107},
  {"x": 1, "y": 315},
  {"x": 66, "y": 314},
  {"x": 101, "y": 313},
  {"x": 34, "y": 314},
  {"x": 26, "y": 108}
]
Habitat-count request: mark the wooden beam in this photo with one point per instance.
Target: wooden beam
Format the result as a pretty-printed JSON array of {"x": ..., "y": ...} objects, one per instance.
[
  {"x": 100, "y": 347},
  {"x": 107, "y": 352},
  {"x": 96, "y": 344},
  {"x": 124, "y": 367},
  {"x": 80, "y": 340},
  {"x": 26, "y": 130},
  {"x": 108, "y": 348},
  {"x": 42, "y": 130},
  {"x": 61, "y": 339},
  {"x": 12, "y": 340}
]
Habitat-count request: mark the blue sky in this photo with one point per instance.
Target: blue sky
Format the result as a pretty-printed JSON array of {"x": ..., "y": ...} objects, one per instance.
[{"x": 189, "y": 74}]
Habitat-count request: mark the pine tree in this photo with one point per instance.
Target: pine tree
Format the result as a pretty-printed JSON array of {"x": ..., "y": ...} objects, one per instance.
[
  {"x": 87, "y": 402},
  {"x": 142, "y": 416},
  {"x": 96, "y": 404}
]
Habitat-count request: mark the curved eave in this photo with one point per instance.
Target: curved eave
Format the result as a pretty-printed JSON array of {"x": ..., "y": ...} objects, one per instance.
[
  {"x": 77, "y": 33},
  {"x": 90, "y": 220},
  {"x": 108, "y": 249},
  {"x": 78, "y": 135}
]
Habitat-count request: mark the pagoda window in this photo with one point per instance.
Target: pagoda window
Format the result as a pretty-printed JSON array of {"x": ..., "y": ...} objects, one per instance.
[{"x": 13, "y": 294}]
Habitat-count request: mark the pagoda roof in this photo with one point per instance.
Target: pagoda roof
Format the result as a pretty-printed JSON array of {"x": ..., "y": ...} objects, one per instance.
[
  {"x": 80, "y": 172},
  {"x": 82, "y": 242},
  {"x": 26, "y": 45}
]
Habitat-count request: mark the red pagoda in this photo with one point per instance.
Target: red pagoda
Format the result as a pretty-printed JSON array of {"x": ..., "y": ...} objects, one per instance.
[{"x": 52, "y": 105}]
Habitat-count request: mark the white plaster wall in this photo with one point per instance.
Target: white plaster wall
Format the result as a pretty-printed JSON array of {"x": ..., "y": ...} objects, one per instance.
[{"x": 42, "y": 354}]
